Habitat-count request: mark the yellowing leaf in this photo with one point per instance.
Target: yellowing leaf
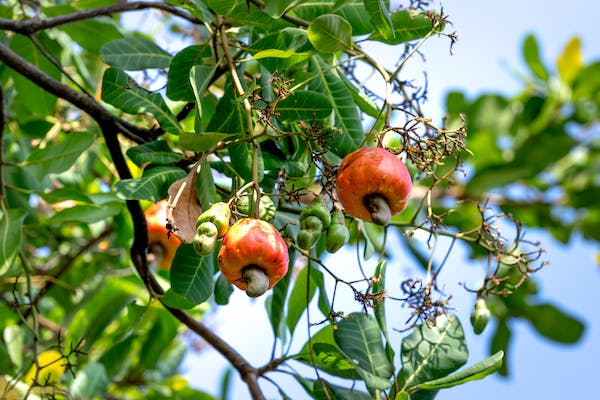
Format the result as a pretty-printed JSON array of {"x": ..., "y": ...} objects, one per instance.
[
  {"x": 52, "y": 368},
  {"x": 570, "y": 61}
]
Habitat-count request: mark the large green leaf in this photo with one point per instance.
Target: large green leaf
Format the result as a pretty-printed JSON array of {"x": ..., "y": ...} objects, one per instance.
[
  {"x": 178, "y": 83},
  {"x": 134, "y": 54},
  {"x": 153, "y": 185},
  {"x": 473, "y": 373},
  {"x": 56, "y": 158},
  {"x": 205, "y": 186},
  {"x": 381, "y": 20},
  {"x": 276, "y": 301},
  {"x": 302, "y": 293},
  {"x": 121, "y": 91},
  {"x": 242, "y": 158},
  {"x": 280, "y": 50},
  {"x": 378, "y": 290},
  {"x": 352, "y": 11},
  {"x": 11, "y": 232},
  {"x": 229, "y": 116},
  {"x": 33, "y": 96},
  {"x": 104, "y": 305},
  {"x": 86, "y": 33},
  {"x": 330, "y": 33},
  {"x": 344, "y": 108},
  {"x": 554, "y": 324},
  {"x": 304, "y": 105},
  {"x": 192, "y": 275},
  {"x": 156, "y": 152},
  {"x": 85, "y": 213},
  {"x": 322, "y": 352},
  {"x": 359, "y": 339},
  {"x": 432, "y": 351},
  {"x": 408, "y": 25},
  {"x": 14, "y": 338}
]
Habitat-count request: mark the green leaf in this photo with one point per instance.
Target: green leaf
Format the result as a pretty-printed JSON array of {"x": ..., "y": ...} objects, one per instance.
[
  {"x": 156, "y": 152},
  {"x": 242, "y": 155},
  {"x": 301, "y": 295},
  {"x": 57, "y": 158},
  {"x": 290, "y": 55},
  {"x": 554, "y": 324},
  {"x": 330, "y": 33},
  {"x": 192, "y": 275},
  {"x": 531, "y": 55},
  {"x": 121, "y": 91},
  {"x": 304, "y": 105},
  {"x": 104, "y": 306},
  {"x": 409, "y": 25},
  {"x": 11, "y": 233},
  {"x": 344, "y": 108},
  {"x": 152, "y": 186},
  {"x": 134, "y": 54},
  {"x": 380, "y": 18},
  {"x": 202, "y": 142},
  {"x": 280, "y": 50},
  {"x": 378, "y": 290},
  {"x": 90, "y": 382},
  {"x": 359, "y": 340},
  {"x": 365, "y": 104},
  {"x": 175, "y": 300},
  {"x": 326, "y": 355},
  {"x": 86, "y": 33},
  {"x": 473, "y": 373},
  {"x": 85, "y": 213},
  {"x": 178, "y": 79},
  {"x": 14, "y": 338},
  {"x": 432, "y": 352},
  {"x": 222, "y": 290},
  {"x": 33, "y": 96},
  {"x": 222, "y": 7},
  {"x": 205, "y": 186},
  {"x": 352, "y": 11},
  {"x": 229, "y": 117},
  {"x": 200, "y": 79}
]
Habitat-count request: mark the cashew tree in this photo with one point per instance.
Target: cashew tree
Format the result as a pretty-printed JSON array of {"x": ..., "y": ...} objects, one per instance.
[{"x": 158, "y": 156}]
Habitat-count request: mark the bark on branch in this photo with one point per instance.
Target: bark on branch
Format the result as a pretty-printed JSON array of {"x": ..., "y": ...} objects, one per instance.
[{"x": 33, "y": 25}]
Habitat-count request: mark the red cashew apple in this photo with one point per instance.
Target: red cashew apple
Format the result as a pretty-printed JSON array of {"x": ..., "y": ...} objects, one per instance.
[
  {"x": 253, "y": 256},
  {"x": 160, "y": 242},
  {"x": 373, "y": 184}
]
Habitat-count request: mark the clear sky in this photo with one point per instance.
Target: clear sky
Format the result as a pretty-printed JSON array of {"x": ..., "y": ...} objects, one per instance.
[{"x": 484, "y": 59}]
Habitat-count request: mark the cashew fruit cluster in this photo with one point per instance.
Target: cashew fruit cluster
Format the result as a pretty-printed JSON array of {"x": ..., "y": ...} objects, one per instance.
[
  {"x": 266, "y": 208},
  {"x": 337, "y": 233},
  {"x": 373, "y": 184},
  {"x": 314, "y": 220},
  {"x": 253, "y": 256},
  {"x": 211, "y": 226}
]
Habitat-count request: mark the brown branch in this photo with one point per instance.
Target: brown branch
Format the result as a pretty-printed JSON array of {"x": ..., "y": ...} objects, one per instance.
[
  {"x": 80, "y": 100},
  {"x": 138, "y": 256},
  {"x": 33, "y": 25}
]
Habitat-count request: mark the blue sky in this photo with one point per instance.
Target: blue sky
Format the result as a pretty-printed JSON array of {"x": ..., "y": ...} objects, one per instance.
[{"x": 485, "y": 58}]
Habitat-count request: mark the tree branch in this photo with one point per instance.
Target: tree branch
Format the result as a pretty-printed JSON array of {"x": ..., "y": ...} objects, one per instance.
[
  {"x": 82, "y": 101},
  {"x": 33, "y": 25},
  {"x": 138, "y": 256}
]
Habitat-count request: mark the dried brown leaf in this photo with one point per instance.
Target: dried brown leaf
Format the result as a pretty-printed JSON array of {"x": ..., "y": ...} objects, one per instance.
[{"x": 184, "y": 207}]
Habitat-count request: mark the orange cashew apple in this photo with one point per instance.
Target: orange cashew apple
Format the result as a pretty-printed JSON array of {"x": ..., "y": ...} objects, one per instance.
[
  {"x": 253, "y": 256},
  {"x": 160, "y": 242},
  {"x": 373, "y": 184}
]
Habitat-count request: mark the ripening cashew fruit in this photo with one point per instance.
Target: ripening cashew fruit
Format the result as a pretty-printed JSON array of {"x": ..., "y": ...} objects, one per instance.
[
  {"x": 373, "y": 184},
  {"x": 211, "y": 225},
  {"x": 480, "y": 316},
  {"x": 160, "y": 242},
  {"x": 337, "y": 233},
  {"x": 253, "y": 256},
  {"x": 313, "y": 222}
]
